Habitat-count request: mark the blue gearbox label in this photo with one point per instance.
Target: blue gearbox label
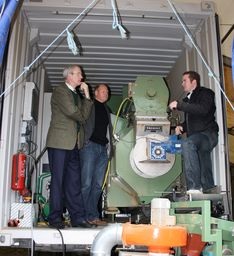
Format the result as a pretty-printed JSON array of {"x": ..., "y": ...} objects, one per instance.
[{"x": 158, "y": 150}]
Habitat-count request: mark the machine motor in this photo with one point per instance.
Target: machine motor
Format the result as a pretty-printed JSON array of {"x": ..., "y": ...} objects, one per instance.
[{"x": 158, "y": 150}]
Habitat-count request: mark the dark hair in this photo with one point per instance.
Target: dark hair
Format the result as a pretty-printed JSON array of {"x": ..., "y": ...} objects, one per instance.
[{"x": 193, "y": 76}]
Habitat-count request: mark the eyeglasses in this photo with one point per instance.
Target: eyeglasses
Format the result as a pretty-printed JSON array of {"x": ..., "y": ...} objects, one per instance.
[{"x": 78, "y": 73}]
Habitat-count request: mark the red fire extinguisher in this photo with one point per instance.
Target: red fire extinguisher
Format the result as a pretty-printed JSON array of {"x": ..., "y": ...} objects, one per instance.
[{"x": 18, "y": 171}]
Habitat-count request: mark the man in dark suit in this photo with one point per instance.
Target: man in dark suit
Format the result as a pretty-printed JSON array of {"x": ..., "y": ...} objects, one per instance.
[{"x": 69, "y": 112}]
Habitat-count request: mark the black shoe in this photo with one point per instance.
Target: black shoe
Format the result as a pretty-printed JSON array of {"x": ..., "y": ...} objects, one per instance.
[
  {"x": 83, "y": 224},
  {"x": 58, "y": 225},
  {"x": 98, "y": 222}
]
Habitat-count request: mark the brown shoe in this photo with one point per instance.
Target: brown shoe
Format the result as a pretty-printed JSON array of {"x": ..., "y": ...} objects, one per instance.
[{"x": 98, "y": 222}]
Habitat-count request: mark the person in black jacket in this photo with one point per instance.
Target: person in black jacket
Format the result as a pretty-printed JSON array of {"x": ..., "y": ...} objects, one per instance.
[
  {"x": 201, "y": 130},
  {"x": 95, "y": 154}
]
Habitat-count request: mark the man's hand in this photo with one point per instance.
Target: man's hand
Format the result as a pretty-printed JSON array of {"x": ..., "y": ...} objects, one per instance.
[
  {"x": 179, "y": 130},
  {"x": 85, "y": 88},
  {"x": 173, "y": 105}
]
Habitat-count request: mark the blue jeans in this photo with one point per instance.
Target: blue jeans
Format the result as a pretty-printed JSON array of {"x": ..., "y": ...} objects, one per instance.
[
  {"x": 196, "y": 151},
  {"x": 93, "y": 159}
]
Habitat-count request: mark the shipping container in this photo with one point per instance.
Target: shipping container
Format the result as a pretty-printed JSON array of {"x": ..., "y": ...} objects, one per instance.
[{"x": 119, "y": 43}]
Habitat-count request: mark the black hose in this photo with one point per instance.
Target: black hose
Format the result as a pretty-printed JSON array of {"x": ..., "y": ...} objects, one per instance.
[{"x": 37, "y": 160}]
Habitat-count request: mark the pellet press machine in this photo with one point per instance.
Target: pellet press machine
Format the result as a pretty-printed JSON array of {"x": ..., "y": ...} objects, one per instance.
[{"x": 146, "y": 160}]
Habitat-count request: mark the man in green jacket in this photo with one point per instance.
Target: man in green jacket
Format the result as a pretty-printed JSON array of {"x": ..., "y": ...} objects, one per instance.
[{"x": 69, "y": 112}]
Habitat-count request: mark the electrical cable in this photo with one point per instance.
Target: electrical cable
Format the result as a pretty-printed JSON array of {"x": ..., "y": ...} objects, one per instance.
[
  {"x": 118, "y": 113},
  {"x": 30, "y": 173},
  {"x": 116, "y": 136},
  {"x": 113, "y": 134},
  {"x": 62, "y": 239},
  {"x": 32, "y": 209},
  {"x": 39, "y": 157},
  {"x": 189, "y": 34},
  {"x": 32, "y": 221},
  {"x": 63, "y": 244},
  {"x": 35, "y": 146},
  {"x": 106, "y": 175},
  {"x": 27, "y": 68}
]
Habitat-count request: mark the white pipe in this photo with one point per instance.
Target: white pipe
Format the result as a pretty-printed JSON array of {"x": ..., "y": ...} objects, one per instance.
[{"x": 106, "y": 240}]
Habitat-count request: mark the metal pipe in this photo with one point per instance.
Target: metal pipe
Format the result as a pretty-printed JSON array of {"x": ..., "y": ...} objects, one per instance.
[
  {"x": 106, "y": 240},
  {"x": 157, "y": 239}
]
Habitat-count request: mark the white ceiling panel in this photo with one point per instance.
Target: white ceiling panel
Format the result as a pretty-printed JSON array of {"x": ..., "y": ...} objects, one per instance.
[{"x": 156, "y": 39}]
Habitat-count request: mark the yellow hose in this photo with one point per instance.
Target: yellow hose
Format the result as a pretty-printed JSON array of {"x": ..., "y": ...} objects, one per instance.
[{"x": 114, "y": 128}]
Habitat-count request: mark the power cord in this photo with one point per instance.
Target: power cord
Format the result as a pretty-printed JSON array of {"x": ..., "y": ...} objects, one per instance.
[
  {"x": 32, "y": 210},
  {"x": 62, "y": 239}
]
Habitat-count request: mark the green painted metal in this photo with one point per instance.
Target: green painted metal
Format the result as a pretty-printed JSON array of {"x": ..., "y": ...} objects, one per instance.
[
  {"x": 217, "y": 232},
  {"x": 114, "y": 103},
  {"x": 125, "y": 187},
  {"x": 42, "y": 181},
  {"x": 145, "y": 188},
  {"x": 42, "y": 197},
  {"x": 150, "y": 95}
]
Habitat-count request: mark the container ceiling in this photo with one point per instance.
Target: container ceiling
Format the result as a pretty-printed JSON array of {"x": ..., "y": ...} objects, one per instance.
[{"x": 156, "y": 38}]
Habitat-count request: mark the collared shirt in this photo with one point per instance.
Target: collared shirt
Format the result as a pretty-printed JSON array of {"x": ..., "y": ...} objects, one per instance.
[
  {"x": 189, "y": 94},
  {"x": 71, "y": 88}
]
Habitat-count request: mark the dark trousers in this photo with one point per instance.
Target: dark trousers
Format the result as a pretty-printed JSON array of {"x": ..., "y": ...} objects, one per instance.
[
  {"x": 196, "y": 150},
  {"x": 65, "y": 187}
]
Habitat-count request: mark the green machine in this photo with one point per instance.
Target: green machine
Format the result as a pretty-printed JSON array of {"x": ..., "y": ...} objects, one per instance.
[
  {"x": 145, "y": 163},
  {"x": 43, "y": 191}
]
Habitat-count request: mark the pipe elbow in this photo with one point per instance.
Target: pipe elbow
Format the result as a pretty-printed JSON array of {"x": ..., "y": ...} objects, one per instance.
[{"x": 106, "y": 240}]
